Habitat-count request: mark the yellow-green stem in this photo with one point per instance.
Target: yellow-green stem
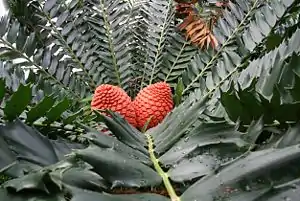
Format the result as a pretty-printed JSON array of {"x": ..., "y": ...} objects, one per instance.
[{"x": 160, "y": 171}]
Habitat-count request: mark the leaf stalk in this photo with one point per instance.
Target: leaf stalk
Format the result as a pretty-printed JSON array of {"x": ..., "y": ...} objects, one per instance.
[{"x": 160, "y": 171}]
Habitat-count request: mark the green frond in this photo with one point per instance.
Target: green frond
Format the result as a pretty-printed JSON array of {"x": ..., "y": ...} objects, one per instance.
[
  {"x": 269, "y": 82},
  {"x": 238, "y": 32},
  {"x": 137, "y": 45},
  {"x": 178, "y": 55},
  {"x": 159, "y": 18},
  {"x": 18, "y": 45},
  {"x": 41, "y": 105},
  {"x": 110, "y": 27}
]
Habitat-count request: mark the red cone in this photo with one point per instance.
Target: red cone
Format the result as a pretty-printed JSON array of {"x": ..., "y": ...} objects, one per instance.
[
  {"x": 154, "y": 100},
  {"x": 114, "y": 98}
]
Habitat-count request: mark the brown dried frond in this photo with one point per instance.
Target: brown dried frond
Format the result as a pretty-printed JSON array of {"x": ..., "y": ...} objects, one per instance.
[
  {"x": 222, "y": 3},
  {"x": 198, "y": 32},
  {"x": 197, "y": 27},
  {"x": 185, "y": 8}
]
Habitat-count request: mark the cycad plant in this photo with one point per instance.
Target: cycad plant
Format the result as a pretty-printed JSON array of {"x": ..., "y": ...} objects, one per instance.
[{"x": 231, "y": 134}]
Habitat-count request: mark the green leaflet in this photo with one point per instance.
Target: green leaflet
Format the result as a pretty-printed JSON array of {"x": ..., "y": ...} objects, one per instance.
[
  {"x": 23, "y": 103},
  {"x": 119, "y": 170},
  {"x": 252, "y": 167},
  {"x": 2, "y": 89},
  {"x": 18, "y": 102},
  {"x": 178, "y": 92},
  {"x": 40, "y": 109},
  {"x": 30, "y": 145},
  {"x": 55, "y": 112},
  {"x": 124, "y": 131}
]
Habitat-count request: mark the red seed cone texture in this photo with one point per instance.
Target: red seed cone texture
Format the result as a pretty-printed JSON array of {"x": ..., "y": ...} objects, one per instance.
[
  {"x": 114, "y": 98},
  {"x": 154, "y": 100}
]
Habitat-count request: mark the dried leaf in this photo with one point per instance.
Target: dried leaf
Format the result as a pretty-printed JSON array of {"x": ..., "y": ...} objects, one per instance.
[{"x": 196, "y": 28}]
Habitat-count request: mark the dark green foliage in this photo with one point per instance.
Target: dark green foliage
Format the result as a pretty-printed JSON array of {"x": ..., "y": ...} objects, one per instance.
[
  {"x": 40, "y": 109},
  {"x": 268, "y": 86},
  {"x": 21, "y": 100},
  {"x": 14, "y": 107},
  {"x": 223, "y": 178},
  {"x": 29, "y": 149},
  {"x": 233, "y": 135}
]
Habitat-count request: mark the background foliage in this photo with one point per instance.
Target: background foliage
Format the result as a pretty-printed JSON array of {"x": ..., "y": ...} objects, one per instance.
[{"x": 233, "y": 135}]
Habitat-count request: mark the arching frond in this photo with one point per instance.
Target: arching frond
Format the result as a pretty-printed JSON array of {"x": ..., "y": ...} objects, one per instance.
[
  {"x": 159, "y": 18},
  {"x": 241, "y": 29}
]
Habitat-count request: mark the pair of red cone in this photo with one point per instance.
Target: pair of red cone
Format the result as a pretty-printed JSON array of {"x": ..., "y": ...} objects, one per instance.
[{"x": 154, "y": 101}]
